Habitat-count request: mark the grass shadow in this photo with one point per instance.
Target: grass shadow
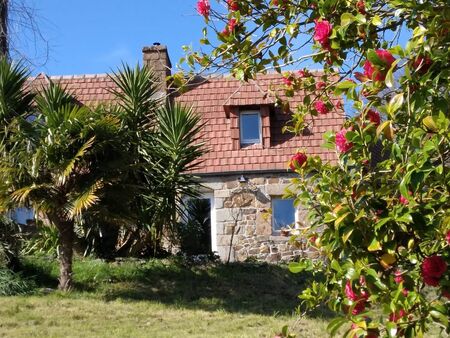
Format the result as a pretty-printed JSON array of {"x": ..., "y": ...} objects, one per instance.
[{"x": 257, "y": 288}]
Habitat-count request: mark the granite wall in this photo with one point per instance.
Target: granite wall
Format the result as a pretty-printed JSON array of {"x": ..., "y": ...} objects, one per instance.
[{"x": 243, "y": 218}]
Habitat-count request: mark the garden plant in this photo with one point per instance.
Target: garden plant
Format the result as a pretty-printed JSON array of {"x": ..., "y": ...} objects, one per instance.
[{"x": 380, "y": 214}]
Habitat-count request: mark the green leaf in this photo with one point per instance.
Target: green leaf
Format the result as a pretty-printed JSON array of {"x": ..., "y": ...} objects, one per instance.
[
  {"x": 347, "y": 19},
  {"x": 340, "y": 219},
  {"x": 374, "y": 245},
  {"x": 395, "y": 104},
  {"x": 429, "y": 123},
  {"x": 335, "y": 324},
  {"x": 376, "y": 20}
]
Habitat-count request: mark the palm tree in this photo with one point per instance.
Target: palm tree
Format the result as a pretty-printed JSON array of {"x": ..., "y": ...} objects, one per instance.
[
  {"x": 60, "y": 164},
  {"x": 123, "y": 164}
]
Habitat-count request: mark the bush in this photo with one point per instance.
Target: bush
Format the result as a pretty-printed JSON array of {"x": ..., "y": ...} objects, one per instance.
[
  {"x": 12, "y": 283},
  {"x": 10, "y": 239}
]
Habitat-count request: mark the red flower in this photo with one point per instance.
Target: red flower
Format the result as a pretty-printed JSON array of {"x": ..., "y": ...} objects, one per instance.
[
  {"x": 349, "y": 292},
  {"x": 203, "y": 7},
  {"x": 374, "y": 117},
  {"x": 233, "y": 5},
  {"x": 287, "y": 81},
  {"x": 320, "y": 85},
  {"x": 374, "y": 73},
  {"x": 361, "y": 7},
  {"x": 422, "y": 64},
  {"x": 433, "y": 268},
  {"x": 405, "y": 292},
  {"x": 297, "y": 160},
  {"x": 342, "y": 144},
  {"x": 301, "y": 73},
  {"x": 396, "y": 316},
  {"x": 404, "y": 200},
  {"x": 431, "y": 281},
  {"x": 232, "y": 23},
  {"x": 447, "y": 237},
  {"x": 386, "y": 57},
  {"x": 321, "y": 107},
  {"x": 446, "y": 293},
  {"x": 398, "y": 277},
  {"x": 322, "y": 32}
]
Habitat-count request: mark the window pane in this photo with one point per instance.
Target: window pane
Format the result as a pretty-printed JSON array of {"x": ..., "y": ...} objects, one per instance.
[
  {"x": 283, "y": 213},
  {"x": 250, "y": 128}
]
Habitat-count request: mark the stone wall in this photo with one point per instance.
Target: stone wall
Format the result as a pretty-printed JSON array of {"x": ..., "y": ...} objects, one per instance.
[{"x": 244, "y": 221}]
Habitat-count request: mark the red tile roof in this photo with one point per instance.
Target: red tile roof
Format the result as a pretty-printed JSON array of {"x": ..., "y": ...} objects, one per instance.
[
  {"x": 212, "y": 99},
  {"x": 88, "y": 89}
]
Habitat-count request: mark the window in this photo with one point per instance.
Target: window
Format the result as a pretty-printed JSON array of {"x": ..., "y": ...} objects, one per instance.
[
  {"x": 250, "y": 127},
  {"x": 283, "y": 213}
]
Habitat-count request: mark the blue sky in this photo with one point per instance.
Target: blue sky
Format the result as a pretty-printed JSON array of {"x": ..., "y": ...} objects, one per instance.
[{"x": 94, "y": 36}]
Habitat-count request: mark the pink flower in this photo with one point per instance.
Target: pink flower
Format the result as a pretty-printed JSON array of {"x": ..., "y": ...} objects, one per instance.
[
  {"x": 349, "y": 291},
  {"x": 396, "y": 316},
  {"x": 230, "y": 27},
  {"x": 342, "y": 144},
  {"x": 233, "y": 5},
  {"x": 386, "y": 57},
  {"x": 405, "y": 292},
  {"x": 404, "y": 200},
  {"x": 360, "y": 300},
  {"x": 297, "y": 161},
  {"x": 203, "y": 8},
  {"x": 447, "y": 237},
  {"x": 320, "y": 85},
  {"x": 301, "y": 73},
  {"x": 373, "y": 72},
  {"x": 322, "y": 32},
  {"x": 398, "y": 277},
  {"x": 374, "y": 117},
  {"x": 287, "y": 81},
  {"x": 321, "y": 107}
]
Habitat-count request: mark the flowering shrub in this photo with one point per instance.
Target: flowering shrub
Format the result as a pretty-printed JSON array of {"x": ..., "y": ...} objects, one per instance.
[
  {"x": 297, "y": 160},
  {"x": 380, "y": 214}
]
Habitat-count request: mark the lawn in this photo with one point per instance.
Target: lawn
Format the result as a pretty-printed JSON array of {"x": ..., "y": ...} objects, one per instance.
[{"x": 159, "y": 298}]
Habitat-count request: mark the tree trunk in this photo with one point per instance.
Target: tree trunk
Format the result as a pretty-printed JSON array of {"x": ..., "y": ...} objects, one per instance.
[
  {"x": 4, "y": 28},
  {"x": 65, "y": 253}
]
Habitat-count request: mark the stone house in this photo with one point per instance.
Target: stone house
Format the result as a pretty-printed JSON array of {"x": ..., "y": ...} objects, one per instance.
[{"x": 245, "y": 172}]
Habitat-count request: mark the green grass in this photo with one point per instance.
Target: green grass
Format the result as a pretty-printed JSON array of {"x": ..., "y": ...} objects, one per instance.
[{"x": 158, "y": 298}]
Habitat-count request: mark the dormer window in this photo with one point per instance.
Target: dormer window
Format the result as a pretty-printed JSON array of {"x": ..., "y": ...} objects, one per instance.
[{"x": 250, "y": 127}]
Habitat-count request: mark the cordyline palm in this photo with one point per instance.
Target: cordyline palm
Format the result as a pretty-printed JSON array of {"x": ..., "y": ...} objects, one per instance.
[{"x": 165, "y": 145}]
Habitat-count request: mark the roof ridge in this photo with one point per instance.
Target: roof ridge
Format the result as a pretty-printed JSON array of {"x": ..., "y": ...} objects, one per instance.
[{"x": 71, "y": 76}]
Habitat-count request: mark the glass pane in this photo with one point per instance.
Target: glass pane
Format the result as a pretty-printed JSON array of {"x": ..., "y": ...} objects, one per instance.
[
  {"x": 283, "y": 213},
  {"x": 250, "y": 128}
]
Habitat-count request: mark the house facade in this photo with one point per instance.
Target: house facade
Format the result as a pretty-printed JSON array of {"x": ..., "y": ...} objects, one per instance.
[{"x": 244, "y": 172}]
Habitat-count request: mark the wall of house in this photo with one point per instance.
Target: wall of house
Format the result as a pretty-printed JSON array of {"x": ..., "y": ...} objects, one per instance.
[{"x": 243, "y": 219}]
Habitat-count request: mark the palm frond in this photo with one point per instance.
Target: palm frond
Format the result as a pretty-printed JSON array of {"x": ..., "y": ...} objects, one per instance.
[
  {"x": 85, "y": 199},
  {"x": 136, "y": 95},
  {"x": 71, "y": 163}
]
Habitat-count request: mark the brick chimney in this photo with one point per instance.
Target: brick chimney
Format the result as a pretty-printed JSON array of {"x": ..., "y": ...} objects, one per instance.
[{"x": 156, "y": 57}]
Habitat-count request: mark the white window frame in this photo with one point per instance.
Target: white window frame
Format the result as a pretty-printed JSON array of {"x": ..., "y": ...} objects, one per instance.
[
  {"x": 212, "y": 216},
  {"x": 296, "y": 219},
  {"x": 250, "y": 141}
]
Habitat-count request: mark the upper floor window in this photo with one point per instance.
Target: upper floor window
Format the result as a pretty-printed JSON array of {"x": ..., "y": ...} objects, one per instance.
[
  {"x": 283, "y": 214},
  {"x": 250, "y": 127}
]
